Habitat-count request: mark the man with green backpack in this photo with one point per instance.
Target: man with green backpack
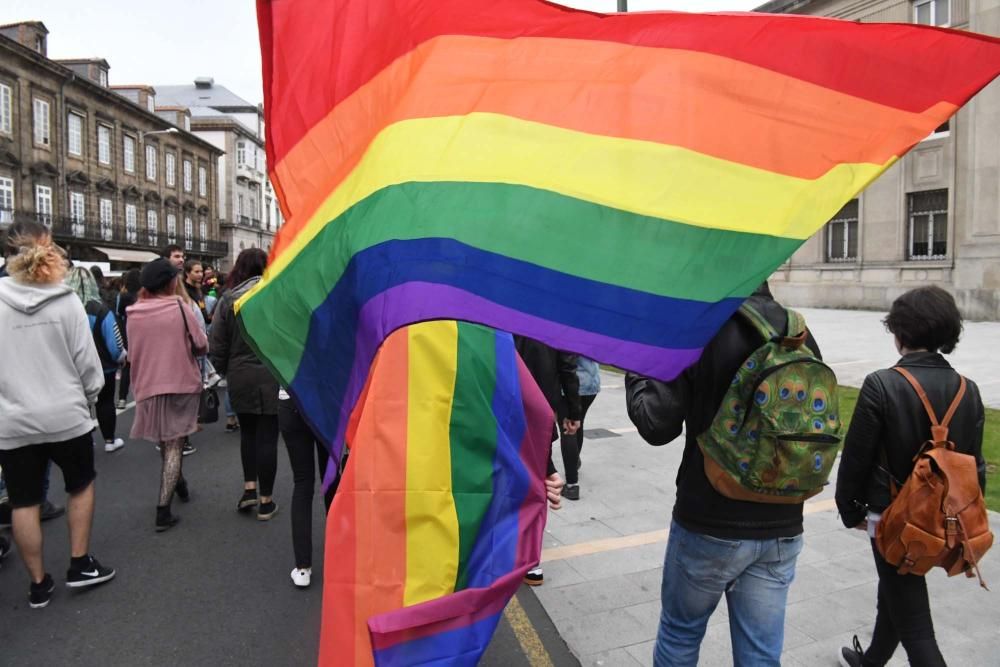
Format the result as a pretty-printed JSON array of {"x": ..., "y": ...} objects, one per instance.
[{"x": 762, "y": 434}]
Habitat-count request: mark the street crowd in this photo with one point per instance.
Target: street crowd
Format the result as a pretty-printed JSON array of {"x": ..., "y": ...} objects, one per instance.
[{"x": 76, "y": 345}]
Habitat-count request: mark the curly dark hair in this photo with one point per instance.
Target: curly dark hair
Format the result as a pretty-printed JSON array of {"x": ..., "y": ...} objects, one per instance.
[{"x": 925, "y": 318}]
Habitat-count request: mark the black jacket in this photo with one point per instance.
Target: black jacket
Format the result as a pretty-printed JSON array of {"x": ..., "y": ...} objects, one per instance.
[
  {"x": 660, "y": 410},
  {"x": 252, "y": 389},
  {"x": 889, "y": 415}
]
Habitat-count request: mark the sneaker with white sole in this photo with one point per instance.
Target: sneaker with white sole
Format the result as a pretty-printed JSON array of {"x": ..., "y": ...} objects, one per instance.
[
  {"x": 88, "y": 573},
  {"x": 40, "y": 594},
  {"x": 121, "y": 405},
  {"x": 301, "y": 577},
  {"x": 534, "y": 577},
  {"x": 114, "y": 445}
]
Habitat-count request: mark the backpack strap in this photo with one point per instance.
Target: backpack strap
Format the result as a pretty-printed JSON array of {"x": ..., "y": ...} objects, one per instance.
[
  {"x": 939, "y": 430},
  {"x": 796, "y": 332}
]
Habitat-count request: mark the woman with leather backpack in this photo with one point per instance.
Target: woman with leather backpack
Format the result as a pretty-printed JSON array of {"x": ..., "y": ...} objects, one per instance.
[{"x": 890, "y": 430}]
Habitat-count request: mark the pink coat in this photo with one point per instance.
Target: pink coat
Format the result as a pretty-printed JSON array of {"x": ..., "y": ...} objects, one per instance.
[{"x": 159, "y": 349}]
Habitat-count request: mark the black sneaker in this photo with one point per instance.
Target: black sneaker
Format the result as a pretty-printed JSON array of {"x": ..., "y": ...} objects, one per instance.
[
  {"x": 188, "y": 449},
  {"x": 164, "y": 519},
  {"x": 247, "y": 501},
  {"x": 40, "y": 594},
  {"x": 5, "y": 515},
  {"x": 50, "y": 511},
  {"x": 854, "y": 656},
  {"x": 90, "y": 573},
  {"x": 232, "y": 427},
  {"x": 266, "y": 510},
  {"x": 571, "y": 492},
  {"x": 534, "y": 577}
]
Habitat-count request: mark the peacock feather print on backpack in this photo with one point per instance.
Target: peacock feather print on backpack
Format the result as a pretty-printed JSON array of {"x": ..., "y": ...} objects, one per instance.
[{"x": 776, "y": 434}]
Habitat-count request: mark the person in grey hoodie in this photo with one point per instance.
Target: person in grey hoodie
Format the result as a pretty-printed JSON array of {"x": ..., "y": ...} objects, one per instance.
[{"x": 52, "y": 375}]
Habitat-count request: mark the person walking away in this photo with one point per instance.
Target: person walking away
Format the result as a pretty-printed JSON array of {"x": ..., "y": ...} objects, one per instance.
[
  {"x": 252, "y": 389},
  {"x": 555, "y": 374},
  {"x": 589, "y": 375},
  {"x": 127, "y": 296},
  {"x": 887, "y": 432},
  {"x": 307, "y": 455},
  {"x": 165, "y": 338},
  {"x": 110, "y": 348},
  {"x": 52, "y": 374},
  {"x": 719, "y": 545},
  {"x": 19, "y": 231}
]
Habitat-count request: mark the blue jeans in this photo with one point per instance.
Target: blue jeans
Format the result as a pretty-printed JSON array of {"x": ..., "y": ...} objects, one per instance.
[{"x": 754, "y": 575}]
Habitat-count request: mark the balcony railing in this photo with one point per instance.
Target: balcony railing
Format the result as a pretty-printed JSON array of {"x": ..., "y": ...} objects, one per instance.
[{"x": 66, "y": 230}]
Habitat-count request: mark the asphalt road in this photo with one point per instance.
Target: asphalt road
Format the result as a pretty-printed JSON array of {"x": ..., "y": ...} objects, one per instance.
[{"x": 215, "y": 590}]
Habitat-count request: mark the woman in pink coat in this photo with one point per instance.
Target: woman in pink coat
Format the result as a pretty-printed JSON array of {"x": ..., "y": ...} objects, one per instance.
[{"x": 164, "y": 339}]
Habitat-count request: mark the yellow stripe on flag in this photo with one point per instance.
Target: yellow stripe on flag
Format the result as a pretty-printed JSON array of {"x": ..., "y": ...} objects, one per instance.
[{"x": 432, "y": 540}]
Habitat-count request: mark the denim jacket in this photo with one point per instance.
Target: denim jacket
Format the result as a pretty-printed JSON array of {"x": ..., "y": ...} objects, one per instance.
[{"x": 590, "y": 376}]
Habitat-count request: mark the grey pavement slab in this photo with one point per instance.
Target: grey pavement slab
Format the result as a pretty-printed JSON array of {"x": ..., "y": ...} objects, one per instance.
[{"x": 605, "y": 603}]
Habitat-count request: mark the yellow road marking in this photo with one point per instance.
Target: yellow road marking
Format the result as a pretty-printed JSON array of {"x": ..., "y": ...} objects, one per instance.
[
  {"x": 530, "y": 642},
  {"x": 641, "y": 539}
]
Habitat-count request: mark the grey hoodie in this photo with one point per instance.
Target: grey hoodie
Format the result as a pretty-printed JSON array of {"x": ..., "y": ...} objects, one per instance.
[{"x": 50, "y": 372}]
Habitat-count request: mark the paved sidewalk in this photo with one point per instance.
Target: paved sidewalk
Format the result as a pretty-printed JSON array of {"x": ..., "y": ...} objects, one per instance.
[{"x": 603, "y": 554}]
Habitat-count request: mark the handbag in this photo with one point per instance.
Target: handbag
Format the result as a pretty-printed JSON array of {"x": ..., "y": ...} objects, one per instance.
[{"x": 208, "y": 404}]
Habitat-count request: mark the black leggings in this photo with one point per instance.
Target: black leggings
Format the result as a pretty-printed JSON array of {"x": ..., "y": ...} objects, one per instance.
[
  {"x": 125, "y": 383},
  {"x": 572, "y": 445},
  {"x": 259, "y": 450},
  {"x": 904, "y": 615},
  {"x": 107, "y": 416},
  {"x": 302, "y": 446}
]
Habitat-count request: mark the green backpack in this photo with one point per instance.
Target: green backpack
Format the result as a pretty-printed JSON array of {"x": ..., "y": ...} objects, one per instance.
[{"x": 776, "y": 434}]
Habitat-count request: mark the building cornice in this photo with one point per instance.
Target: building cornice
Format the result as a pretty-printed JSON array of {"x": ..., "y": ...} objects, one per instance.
[{"x": 783, "y": 6}]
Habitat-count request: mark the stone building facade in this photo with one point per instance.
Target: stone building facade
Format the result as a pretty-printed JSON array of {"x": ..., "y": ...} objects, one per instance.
[
  {"x": 114, "y": 181},
  {"x": 934, "y": 217},
  {"x": 248, "y": 211}
]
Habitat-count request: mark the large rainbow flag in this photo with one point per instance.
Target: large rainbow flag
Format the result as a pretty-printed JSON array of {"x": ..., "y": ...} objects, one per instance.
[
  {"x": 441, "y": 509},
  {"x": 613, "y": 185}
]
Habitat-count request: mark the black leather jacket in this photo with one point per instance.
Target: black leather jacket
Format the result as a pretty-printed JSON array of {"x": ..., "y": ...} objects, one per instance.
[
  {"x": 890, "y": 416},
  {"x": 660, "y": 409}
]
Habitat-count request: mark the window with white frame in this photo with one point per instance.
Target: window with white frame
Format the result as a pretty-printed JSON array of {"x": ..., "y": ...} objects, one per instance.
[
  {"x": 6, "y": 109},
  {"x": 77, "y": 212},
  {"x": 187, "y": 175},
  {"x": 202, "y": 182},
  {"x": 928, "y": 225},
  {"x": 152, "y": 226},
  {"x": 104, "y": 144},
  {"x": 188, "y": 231},
  {"x": 42, "y": 122},
  {"x": 43, "y": 204},
  {"x": 102, "y": 78},
  {"x": 239, "y": 205},
  {"x": 106, "y": 212},
  {"x": 842, "y": 234},
  {"x": 74, "y": 134},
  {"x": 150, "y": 103},
  {"x": 241, "y": 153},
  {"x": 128, "y": 153},
  {"x": 171, "y": 228},
  {"x": 150, "y": 163},
  {"x": 187, "y": 123},
  {"x": 203, "y": 231},
  {"x": 6, "y": 199},
  {"x": 170, "y": 167},
  {"x": 131, "y": 224},
  {"x": 932, "y": 12}
]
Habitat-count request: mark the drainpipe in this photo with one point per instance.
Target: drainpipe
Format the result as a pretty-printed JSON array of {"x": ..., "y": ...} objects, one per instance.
[{"x": 61, "y": 151}]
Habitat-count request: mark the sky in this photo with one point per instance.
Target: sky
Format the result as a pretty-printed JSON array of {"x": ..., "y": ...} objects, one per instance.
[{"x": 158, "y": 42}]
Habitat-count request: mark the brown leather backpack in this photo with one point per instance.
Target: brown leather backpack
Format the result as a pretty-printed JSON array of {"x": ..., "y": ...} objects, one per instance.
[{"x": 939, "y": 516}]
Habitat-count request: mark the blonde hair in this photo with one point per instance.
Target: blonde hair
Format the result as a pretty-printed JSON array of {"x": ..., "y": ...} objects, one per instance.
[{"x": 38, "y": 261}]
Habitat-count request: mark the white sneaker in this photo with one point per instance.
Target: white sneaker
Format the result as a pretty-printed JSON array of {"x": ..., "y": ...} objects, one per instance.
[
  {"x": 121, "y": 405},
  {"x": 114, "y": 446},
  {"x": 301, "y": 577}
]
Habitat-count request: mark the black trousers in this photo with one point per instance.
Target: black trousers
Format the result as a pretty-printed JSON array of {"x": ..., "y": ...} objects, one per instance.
[
  {"x": 904, "y": 616},
  {"x": 125, "y": 383},
  {"x": 259, "y": 450},
  {"x": 107, "y": 416},
  {"x": 302, "y": 447},
  {"x": 572, "y": 445}
]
